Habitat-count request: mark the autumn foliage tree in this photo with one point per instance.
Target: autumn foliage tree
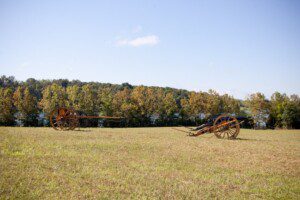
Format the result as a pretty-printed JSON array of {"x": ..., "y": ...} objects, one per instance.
[
  {"x": 123, "y": 105},
  {"x": 139, "y": 105},
  {"x": 259, "y": 107},
  {"x": 168, "y": 107}
]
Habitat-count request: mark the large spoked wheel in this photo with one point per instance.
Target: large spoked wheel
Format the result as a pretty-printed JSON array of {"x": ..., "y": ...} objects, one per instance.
[
  {"x": 64, "y": 119},
  {"x": 226, "y": 126}
]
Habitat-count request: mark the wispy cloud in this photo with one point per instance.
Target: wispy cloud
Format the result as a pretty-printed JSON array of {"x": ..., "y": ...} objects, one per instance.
[{"x": 149, "y": 40}]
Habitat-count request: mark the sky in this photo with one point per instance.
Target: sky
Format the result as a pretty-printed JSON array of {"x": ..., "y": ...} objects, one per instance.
[{"x": 235, "y": 47}]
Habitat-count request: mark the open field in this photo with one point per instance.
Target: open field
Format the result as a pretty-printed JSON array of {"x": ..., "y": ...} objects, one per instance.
[{"x": 147, "y": 163}]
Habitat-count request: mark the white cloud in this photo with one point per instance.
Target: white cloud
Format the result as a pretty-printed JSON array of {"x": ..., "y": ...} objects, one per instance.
[{"x": 149, "y": 40}]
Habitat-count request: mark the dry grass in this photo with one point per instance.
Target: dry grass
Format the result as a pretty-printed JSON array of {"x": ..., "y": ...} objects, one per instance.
[{"x": 147, "y": 163}]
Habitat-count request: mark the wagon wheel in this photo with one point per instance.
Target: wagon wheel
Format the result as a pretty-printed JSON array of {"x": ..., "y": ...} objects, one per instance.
[
  {"x": 74, "y": 120},
  {"x": 64, "y": 119},
  {"x": 226, "y": 126}
]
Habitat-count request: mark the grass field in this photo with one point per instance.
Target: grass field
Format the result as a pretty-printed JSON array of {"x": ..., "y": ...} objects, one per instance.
[{"x": 147, "y": 163}]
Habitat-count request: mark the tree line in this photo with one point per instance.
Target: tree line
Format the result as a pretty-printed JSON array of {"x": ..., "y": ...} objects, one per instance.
[{"x": 25, "y": 101}]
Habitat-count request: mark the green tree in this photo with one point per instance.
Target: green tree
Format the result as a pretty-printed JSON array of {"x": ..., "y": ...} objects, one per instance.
[
  {"x": 229, "y": 105},
  {"x": 278, "y": 104},
  {"x": 53, "y": 96},
  {"x": 88, "y": 103},
  {"x": 75, "y": 97},
  {"x": 7, "y": 110},
  {"x": 26, "y": 105},
  {"x": 291, "y": 113},
  {"x": 105, "y": 97}
]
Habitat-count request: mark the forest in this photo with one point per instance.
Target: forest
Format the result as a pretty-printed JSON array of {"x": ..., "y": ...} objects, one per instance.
[{"x": 25, "y": 103}]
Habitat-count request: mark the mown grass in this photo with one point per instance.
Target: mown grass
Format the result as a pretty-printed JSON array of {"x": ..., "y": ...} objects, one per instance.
[{"x": 147, "y": 163}]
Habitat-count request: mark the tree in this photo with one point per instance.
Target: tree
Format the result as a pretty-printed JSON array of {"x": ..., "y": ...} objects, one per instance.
[
  {"x": 7, "y": 110},
  {"x": 185, "y": 109},
  {"x": 144, "y": 98},
  {"x": 194, "y": 104},
  {"x": 26, "y": 105},
  {"x": 105, "y": 99},
  {"x": 278, "y": 104},
  {"x": 8, "y": 82},
  {"x": 89, "y": 98},
  {"x": 75, "y": 97},
  {"x": 212, "y": 104},
  {"x": 291, "y": 113},
  {"x": 167, "y": 107},
  {"x": 259, "y": 108},
  {"x": 229, "y": 105},
  {"x": 124, "y": 107},
  {"x": 35, "y": 87},
  {"x": 140, "y": 105},
  {"x": 53, "y": 96}
]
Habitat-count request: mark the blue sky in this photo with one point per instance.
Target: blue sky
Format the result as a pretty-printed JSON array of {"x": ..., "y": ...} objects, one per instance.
[{"x": 238, "y": 47}]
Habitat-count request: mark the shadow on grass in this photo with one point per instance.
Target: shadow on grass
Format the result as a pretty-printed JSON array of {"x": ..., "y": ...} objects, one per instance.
[
  {"x": 79, "y": 130},
  {"x": 246, "y": 139}
]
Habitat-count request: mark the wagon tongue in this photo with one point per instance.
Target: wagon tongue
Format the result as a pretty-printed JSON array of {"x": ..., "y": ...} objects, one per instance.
[{"x": 188, "y": 132}]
